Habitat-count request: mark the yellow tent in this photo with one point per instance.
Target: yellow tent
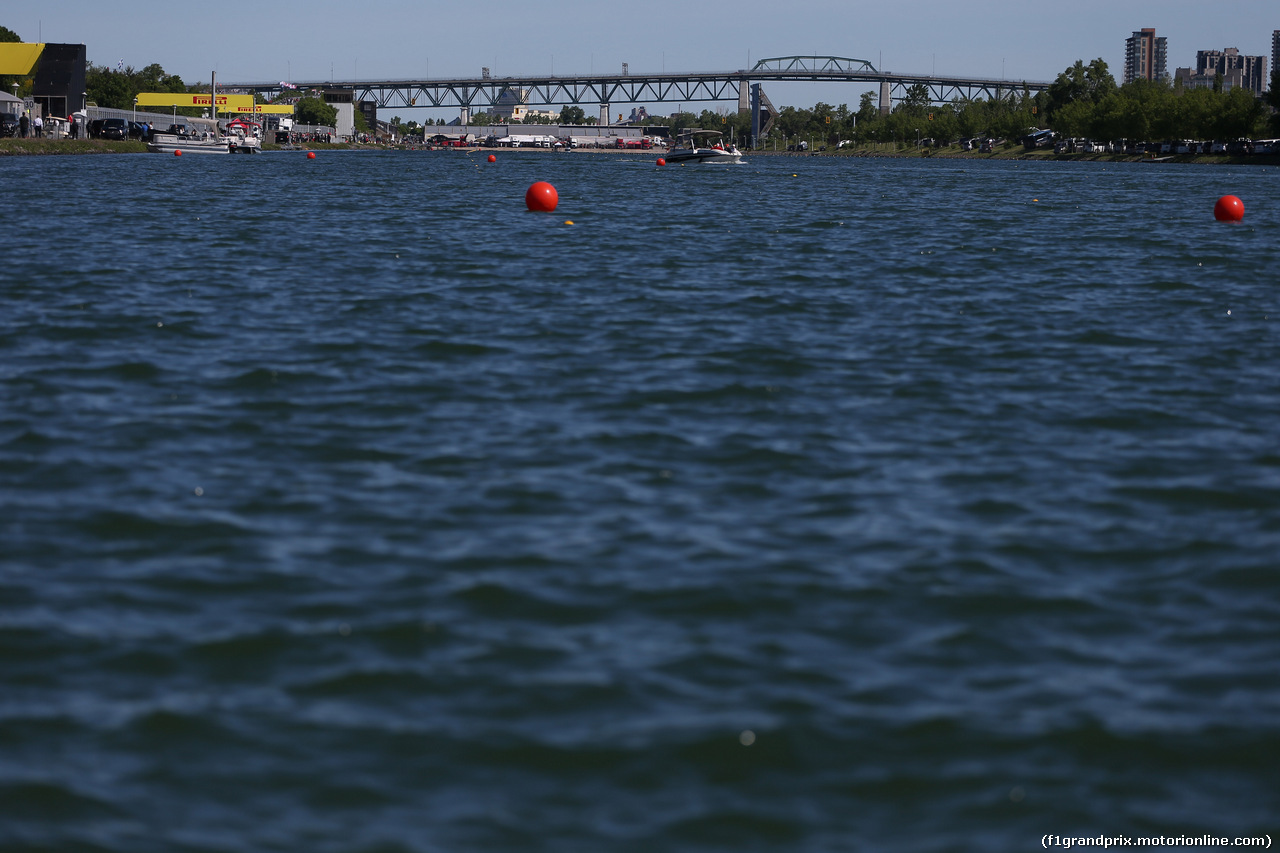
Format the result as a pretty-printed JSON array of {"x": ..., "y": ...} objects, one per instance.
[{"x": 19, "y": 57}]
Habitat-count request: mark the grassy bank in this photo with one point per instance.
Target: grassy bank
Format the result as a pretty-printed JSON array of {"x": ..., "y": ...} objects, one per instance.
[
  {"x": 70, "y": 146},
  {"x": 1017, "y": 152}
]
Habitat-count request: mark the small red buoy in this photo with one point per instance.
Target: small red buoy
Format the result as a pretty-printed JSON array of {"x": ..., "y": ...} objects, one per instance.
[
  {"x": 177, "y": 152},
  {"x": 493, "y": 158},
  {"x": 662, "y": 161},
  {"x": 1228, "y": 209},
  {"x": 541, "y": 196},
  {"x": 311, "y": 155}
]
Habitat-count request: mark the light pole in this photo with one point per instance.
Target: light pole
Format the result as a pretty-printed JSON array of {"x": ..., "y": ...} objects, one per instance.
[{"x": 135, "y": 113}]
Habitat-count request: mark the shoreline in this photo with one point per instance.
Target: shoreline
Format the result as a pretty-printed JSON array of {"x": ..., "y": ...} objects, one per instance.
[{"x": 18, "y": 147}]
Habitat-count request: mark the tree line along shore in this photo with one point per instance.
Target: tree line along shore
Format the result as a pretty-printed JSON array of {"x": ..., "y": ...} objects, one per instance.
[{"x": 1001, "y": 151}]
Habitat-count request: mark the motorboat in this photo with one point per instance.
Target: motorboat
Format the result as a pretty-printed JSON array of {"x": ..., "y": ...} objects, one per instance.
[
  {"x": 201, "y": 136},
  {"x": 239, "y": 142},
  {"x": 703, "y": 146},
  {"x": 243, "y": 137}
]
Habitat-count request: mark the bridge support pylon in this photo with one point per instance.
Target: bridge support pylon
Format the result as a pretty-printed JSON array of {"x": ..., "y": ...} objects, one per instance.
[
  {"x": 604, "y": 115},
  {"x": 885, "y": 102},
  {"x": 762, "y": 114}
]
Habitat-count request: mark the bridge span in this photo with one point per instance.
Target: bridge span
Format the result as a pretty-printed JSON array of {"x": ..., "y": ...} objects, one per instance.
[{"x": 472, "y": 93}]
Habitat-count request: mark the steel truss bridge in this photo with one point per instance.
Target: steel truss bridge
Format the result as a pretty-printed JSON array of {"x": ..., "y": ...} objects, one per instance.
[{"x": 468, "y": 94}]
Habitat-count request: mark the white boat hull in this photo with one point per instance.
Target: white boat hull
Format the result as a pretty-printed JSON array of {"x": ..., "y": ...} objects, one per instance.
[
  {"x": 245, "y": 145},
  {"x": 169, "y": 143},
  {"x": 703, "y": 155}
]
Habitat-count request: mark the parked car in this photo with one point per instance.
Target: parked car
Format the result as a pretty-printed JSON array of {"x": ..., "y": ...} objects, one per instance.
[
  {"x": 1037, "y": 139},
  {"x": 113, "y": 128},
  {"x": 8, "y": 124}
]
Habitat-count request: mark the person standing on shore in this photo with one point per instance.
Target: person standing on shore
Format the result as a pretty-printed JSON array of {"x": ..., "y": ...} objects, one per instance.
[
  {"x": 24, "y": 124},
  {"x": 38, "y": 124}
]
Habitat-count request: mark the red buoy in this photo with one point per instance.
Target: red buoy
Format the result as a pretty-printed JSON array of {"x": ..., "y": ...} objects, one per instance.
[
  {"x": 1228, "y": 209},
  {"x": 177, "y": 152},
  {"x": 311, "y": 155},
  {"x": 541, "y": 196},
  {"x": 493, "y": 158},
  {"x": 662, "y": 161}
]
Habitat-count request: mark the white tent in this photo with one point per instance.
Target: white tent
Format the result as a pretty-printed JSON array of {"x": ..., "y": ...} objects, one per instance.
[{"x": 10, "y": 104}]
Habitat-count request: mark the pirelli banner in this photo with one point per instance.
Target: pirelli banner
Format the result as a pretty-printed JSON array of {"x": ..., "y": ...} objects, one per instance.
[
  {"x": 263, "y": 109},
  {"x": 226, "y": 103}
]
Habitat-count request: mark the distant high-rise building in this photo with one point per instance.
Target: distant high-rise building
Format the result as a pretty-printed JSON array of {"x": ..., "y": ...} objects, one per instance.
[
  {"x": 1236, "y": 71},
  {"x": 1144, "y": 56},
  {"x": 1275, "y": 51}
]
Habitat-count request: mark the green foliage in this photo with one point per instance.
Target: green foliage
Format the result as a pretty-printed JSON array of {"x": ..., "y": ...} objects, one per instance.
[
  {"x": 8, "y": 35},
  {"x": 572, "y": 114},
  {"x": 1084, "y": 101},
  {"x": 316, "y": 112},
  {"x": 1090, "y": 83},
  {"x": 917, "y": 101},
  {"x": 107, "y": 87}
]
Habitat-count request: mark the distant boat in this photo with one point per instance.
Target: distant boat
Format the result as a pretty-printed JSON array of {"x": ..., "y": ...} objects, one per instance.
[
  {"x": 206, "y": 138},
  {"x": 703, "y": 146},
  {"x": 200, "y": 137}
]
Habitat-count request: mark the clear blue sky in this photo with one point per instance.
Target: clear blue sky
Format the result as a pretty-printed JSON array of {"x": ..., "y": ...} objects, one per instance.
[{"x": 401, "y": 39}]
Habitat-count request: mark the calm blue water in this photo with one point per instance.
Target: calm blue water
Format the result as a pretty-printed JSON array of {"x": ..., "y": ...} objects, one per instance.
[{"x": 803, "y": 505}]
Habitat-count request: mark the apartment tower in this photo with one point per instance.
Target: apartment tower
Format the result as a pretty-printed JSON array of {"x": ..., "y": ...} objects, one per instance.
[
  {"x": 1144, "y": 56},
  {"x": 1275, "y": 51}
]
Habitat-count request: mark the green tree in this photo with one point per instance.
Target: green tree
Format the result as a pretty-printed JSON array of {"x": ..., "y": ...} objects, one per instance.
[
  {"x": 917, "y": 100},
  {"x": 1238, "y": 114},
  {"x": 682, "y": 121},
  {"x": 153, "y": 78},
  {"x": 109, "y": 88},
  {"x": 1273, "y": 99},
  {"x": 868, "y": 110},
  {"x": 315, "y": 111},
  {"x": 572, "y": 114},
  {"x": 1080, "y": 82}
]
